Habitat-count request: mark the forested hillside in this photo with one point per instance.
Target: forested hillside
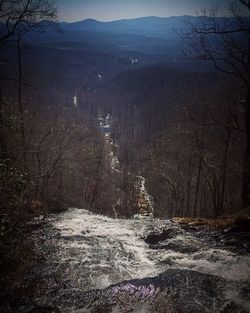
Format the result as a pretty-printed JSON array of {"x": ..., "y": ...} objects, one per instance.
[
  {"x": 143, "y": 117},
  {"x": 184, "y": 132},
  {"x": 177, "y": 122}
]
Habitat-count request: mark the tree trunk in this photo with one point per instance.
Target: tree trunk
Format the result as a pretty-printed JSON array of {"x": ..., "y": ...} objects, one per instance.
[
  {"x": 224, "y": 165},
  {"x": 3, "y": 146},
  {"x": 197, "y": 190},
  {"x": 20, "y": 98},
  {"x": 200, "y": 144},
  {"x": 246, "y": 165}
]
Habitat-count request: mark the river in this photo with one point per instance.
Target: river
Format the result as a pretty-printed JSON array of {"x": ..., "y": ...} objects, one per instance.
[
  {"x": 90, "y": 263},
  {"x": 94, "y": 263}
]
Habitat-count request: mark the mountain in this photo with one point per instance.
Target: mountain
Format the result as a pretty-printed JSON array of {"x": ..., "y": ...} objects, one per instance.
[
  {"x": 151, "y": 26},
  {"x": 110, "y": 48}
]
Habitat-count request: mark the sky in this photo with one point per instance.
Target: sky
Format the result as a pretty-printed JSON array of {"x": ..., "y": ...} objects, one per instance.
[{"x": 108, "y": 10}]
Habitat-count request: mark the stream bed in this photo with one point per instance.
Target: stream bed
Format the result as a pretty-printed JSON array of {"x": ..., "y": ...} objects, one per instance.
[{"x": 92, "y": 263}]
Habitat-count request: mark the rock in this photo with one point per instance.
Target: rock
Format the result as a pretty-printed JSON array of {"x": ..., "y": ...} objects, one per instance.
[
  {"x": 156, "y": 238},
  {"x": 247, "y": 246},
  {"x": 231, "y": 307},
  {"x": 240, "y": 225},
  {"x": 45, "y": 309},
  {"x": 244, "y": 224},
  {"x": 238, "y": 234},
  {"x": 178, "y": 247},
  {"x": 190, "y": 227},
  {"x": 57, "y": 236},
  {"x": 72, "y": 238},
  {"x": 173, "y": 291}
]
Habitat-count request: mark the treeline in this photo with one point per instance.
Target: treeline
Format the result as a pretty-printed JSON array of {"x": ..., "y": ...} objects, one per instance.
[
  {"x": 184, "y": 132},
  {"x": 52, "y": 152},
  {"x": 53, "y": 156}
]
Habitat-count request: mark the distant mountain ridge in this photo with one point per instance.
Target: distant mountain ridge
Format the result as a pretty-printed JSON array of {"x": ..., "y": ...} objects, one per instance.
[{"x": 146, "y": 26}]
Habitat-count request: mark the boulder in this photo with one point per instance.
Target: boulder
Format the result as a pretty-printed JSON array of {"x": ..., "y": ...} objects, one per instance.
[{"x": 156, "y": 238}]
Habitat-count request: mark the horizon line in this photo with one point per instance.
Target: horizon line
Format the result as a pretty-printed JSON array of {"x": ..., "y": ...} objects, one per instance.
[
  {"x": 126, "y": 19},
  {"x": 136, "y": 18}
]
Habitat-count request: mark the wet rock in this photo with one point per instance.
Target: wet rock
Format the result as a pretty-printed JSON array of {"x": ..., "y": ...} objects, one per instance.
[
  {"x": 172, "y": 291},
  {"x": 73, "y": 237},
  {"x": 34, "y": 226},
  {"x": 45, "y": 309},
  {"x": 191, "y": 227},
  {"x": 240, "y": 225},
  {"x": 156, "y": 238},
  {"x": 169, "y": 262},
  {"x": 237, "y": 235},
  {"x": 85, "y": 231},
  {"x": 57, "y": 236},
  {"x": 176, "y": 246},
  {"x": 247, "y": 246},
  {"x": 231, "y": 307},
  {"x": 238, "y": 245}
]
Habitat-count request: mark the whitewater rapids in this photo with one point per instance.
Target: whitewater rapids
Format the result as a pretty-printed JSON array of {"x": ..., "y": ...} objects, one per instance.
[{"x": 86, "y": 251}]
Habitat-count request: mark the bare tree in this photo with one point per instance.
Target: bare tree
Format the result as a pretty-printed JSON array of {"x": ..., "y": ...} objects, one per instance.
[
  {"x": 18, "y": 17},
  {"x": 225, "y": 41},
  {"x": 22, "y": 15}
]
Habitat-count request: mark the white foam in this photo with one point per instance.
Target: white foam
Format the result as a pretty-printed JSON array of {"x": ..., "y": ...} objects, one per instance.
[
  {"x": 111, "y": 248},
  {"x": 95, "y": 251}
]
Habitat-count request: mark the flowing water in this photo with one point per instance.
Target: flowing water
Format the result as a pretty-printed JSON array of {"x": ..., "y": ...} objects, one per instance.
[
  {"x": 99, "y": 264},
  {"x": 95, "y": 264}
]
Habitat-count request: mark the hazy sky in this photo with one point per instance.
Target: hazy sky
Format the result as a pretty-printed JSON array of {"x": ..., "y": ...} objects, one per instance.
[{"x": 106, "y": 10}]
